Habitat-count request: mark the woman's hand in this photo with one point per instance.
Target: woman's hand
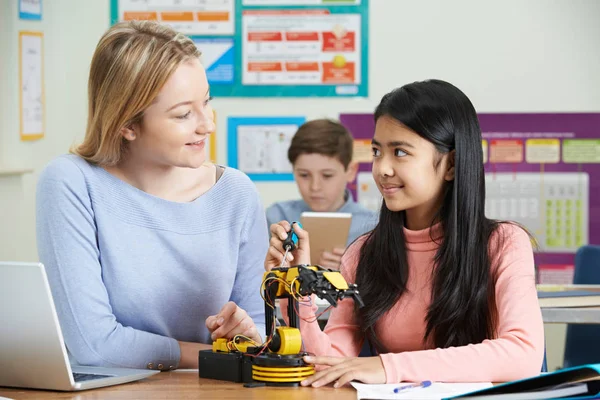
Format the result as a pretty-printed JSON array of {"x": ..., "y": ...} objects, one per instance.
[
  {"x": 279, "y": 233},
  {"x": 230, "y": 321},
  {"x": 331, "y": 260},
  {"x": 343, "y": 370}
]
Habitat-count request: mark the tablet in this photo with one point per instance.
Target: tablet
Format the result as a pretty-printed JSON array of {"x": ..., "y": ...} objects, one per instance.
[{"x": 326, "y": 230}]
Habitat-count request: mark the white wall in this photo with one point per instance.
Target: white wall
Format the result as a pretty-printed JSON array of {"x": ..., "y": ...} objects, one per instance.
[{"x": 508, "y": 56}]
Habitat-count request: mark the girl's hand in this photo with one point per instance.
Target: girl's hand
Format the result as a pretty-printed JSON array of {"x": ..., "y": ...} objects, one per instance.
[
  {"x": 279, "y": 233},
  {"x": 343, "y": 370}
]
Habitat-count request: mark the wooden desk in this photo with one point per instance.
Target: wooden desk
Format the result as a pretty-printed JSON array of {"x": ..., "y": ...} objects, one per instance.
[
  {"x": 580, "y": 315},
  {"x": 551, "y": 315},
  {"x": 185, "y": 385}
]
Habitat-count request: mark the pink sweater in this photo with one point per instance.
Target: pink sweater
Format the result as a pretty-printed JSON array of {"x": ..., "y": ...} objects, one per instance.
[{"x": 517, "y": 351}]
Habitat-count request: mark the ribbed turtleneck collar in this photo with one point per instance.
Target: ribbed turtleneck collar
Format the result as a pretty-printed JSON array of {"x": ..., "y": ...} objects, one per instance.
[{"x": 424, "y": 240}]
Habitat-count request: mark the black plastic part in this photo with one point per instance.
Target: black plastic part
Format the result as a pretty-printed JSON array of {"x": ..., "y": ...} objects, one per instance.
[
  {"x": 270, "y": 293},
  {"x": 232, "y": 367},
  {"x": 278, "y": 360},
  {"x": 275, "y": 342},
  {"x": 247, "y": 369},
  {"x": 291, "y": 240},
  {"x": 254, "y": 384},
  {"x": 293, "y": 317},
  {"x": 237, "y": 367},
  {"x": 283, "y": 384}
]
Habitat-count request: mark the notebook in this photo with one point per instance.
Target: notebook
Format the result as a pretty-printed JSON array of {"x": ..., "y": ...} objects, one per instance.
[{"x": 581, "y": 382}]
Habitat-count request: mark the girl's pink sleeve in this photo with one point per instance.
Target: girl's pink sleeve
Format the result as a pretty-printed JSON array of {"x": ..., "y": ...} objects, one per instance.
[{"x": 517, "y": 351}]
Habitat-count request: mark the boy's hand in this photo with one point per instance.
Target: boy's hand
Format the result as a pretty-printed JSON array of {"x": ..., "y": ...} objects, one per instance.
[
  {"x": 279, "y": 233},
  {"x": 332, "y": 260}
]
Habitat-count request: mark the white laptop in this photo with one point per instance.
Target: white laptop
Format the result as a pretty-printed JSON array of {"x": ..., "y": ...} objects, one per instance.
[{"x": 32, "y": 351}]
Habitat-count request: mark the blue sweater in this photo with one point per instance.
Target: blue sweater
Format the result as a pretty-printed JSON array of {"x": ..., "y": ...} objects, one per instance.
[
  {"x": 132, "y": 273},
  {"x": 363, "y": 219}
]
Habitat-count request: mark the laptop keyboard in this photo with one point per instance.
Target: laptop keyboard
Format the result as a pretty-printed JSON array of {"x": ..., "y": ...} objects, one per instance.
[{"x": 88, "y": 377}]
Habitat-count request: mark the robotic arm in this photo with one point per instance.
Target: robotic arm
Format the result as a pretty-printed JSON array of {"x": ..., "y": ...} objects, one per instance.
[
  {"x": 278, "y": 361},
  {"x": 300, "y": 281}
]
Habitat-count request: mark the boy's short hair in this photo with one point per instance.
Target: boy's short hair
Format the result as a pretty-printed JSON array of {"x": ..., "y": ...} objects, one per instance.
[{"x": 322, "y": 136}]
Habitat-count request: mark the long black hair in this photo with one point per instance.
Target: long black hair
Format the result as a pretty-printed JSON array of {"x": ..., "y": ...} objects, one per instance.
[{"x": 462, "y": 309}]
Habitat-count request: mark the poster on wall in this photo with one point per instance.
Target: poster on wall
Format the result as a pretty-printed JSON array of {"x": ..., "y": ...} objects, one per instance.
[
  {"x": 31, "y": 85},
  {"x": 201, "y": 17},
  {"x": 270, "y": 48},
  {"x": 30, "y": 9},
  {"x": 209, "y": 23},
  {"x": 297, "y": 49},
  {"x": 299, "y": 2},
  {"x": 302, "y": 48},
  {"x": 540, "y": 171},
  {"x": 218, "y": 60},
  {"x": 258, "y": 146}
]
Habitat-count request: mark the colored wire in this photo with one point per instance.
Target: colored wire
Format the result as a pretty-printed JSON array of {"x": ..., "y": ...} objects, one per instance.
[
  {"x": 265, "y": 291},
  {"x": 234, "y": 342},
  {"x": 316, "y": 318}
]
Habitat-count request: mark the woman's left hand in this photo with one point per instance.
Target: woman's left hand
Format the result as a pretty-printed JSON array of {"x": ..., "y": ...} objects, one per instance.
[
  {"x": 343, "y": 370},
  {"x": 230, "y": 321}
]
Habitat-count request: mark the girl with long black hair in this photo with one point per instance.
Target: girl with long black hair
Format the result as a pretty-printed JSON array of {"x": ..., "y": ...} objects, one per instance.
[{"x": 449, "y": 294}]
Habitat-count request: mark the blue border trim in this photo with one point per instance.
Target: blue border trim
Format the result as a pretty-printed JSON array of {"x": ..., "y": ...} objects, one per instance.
[
  {"x": 29, "y": 16},
  {"x": 270, "y": 177},
  {"x": 114, "y": 12},
  {"x": 232, "y": 141}
]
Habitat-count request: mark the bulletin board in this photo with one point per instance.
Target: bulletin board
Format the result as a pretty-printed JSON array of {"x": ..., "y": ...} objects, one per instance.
[
  {"x": 541, "y": 170},
  {"x": 270, "y": 48},
  {"x": 258, "y": 146},
  {"x": 362, "y": 127},
  {"x": 301, "y": 48}
]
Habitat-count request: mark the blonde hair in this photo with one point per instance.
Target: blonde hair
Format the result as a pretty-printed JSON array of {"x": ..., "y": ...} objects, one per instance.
[{"x": 131, "y": 63}]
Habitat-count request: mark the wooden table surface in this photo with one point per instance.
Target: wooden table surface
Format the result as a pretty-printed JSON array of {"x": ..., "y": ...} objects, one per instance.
[
  {"x": 571, "y": 315},
  {"x": 186, "y": 385}
]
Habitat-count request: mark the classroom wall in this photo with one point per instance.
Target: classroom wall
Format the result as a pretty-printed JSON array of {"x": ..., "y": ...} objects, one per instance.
[{"x": 509, "y": 56}]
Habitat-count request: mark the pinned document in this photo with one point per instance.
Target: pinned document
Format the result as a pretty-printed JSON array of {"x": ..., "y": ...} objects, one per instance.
[{"x": 31, "y": 85}]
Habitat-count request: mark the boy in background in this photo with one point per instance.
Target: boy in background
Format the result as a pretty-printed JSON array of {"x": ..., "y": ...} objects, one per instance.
[{"x": 321, "y": 156}]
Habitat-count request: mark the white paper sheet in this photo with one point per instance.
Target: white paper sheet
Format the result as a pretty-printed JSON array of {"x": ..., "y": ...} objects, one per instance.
[
  {"x": 436, "y": 391},
  {"x": 191, "y": 17},
  {"x": 32, "y": 80},
  {"x": 31, "y": 7},
  {"x": 263, "y": 148}
]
